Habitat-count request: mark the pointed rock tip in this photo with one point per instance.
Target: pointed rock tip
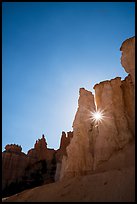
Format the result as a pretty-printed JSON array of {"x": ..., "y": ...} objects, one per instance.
[{"x": 83, "y": 91}]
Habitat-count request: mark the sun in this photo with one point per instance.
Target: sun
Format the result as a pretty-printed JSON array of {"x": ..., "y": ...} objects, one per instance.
[{"x": 97, "y": 116}]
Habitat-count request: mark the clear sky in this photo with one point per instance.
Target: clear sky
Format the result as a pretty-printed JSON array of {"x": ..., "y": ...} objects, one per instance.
[{"x": 49, "y": 51}]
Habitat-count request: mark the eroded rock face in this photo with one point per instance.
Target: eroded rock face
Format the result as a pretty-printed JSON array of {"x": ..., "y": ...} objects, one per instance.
[
  {"x": 117, "y": 99},
  {"x": 14, "y": 163},
  {"x": 113, "y": 132},
  {"x": 13, "y": 148},
  {"x": 40, "y": 151},
  {"x": 65, "y": 141},
  {"x": 128, "y": 57},
  {"x": 21, "y": 171},
  {"x": 42, "y": 162},
  {"x": 128, "y": 90},
  {"x": 95, "y": 142},
  {"x": 79, "y": 153},
  {"x": 91, "y": 144}
]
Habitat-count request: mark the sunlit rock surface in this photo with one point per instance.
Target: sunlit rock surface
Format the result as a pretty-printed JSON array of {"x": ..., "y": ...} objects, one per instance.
[
  {"x": 79, "y": 157},
  {"x": 128, "y": 57},
  {"x": 128, "y": 89},
  {"x": 96, "y": 142},
  {"x": 114, "y": 131}
]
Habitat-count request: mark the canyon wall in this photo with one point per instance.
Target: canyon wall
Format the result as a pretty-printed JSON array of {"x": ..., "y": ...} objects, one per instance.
[{"x": 96, "y": 142}]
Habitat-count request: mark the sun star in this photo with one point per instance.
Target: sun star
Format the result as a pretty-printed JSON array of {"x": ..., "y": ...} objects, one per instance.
[{"x": 97, "y": 116}]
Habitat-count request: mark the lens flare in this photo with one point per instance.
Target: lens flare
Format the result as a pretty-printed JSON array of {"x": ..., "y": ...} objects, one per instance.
[{"x": 97, "y": 116}]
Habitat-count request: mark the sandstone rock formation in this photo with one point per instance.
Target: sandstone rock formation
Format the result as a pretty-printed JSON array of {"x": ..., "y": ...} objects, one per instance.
[
  {"x": 114, "y": 131},
  {"x": 13, "y": 148},
  {"x": 93, "y": 146},
  {"x": 40, "y": 151},
  {"x": 79, "y": 157},
  {"x": 128, "y": 57},
  {"x": 43, "y": 161},
  {"x": 14, "y": 163},
  {"x": 96, "y": 142},
  {"x": 65, "y": 140},
  {"x": 21, "y": 171},
  {"x": 128, "y": 89}
]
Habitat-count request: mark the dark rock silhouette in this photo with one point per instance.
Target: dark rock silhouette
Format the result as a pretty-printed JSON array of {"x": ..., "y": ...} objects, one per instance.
[{"x": 21, "y": 171}]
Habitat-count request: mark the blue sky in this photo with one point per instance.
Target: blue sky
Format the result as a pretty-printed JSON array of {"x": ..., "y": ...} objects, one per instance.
[{"x": 49, "y": 51}]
